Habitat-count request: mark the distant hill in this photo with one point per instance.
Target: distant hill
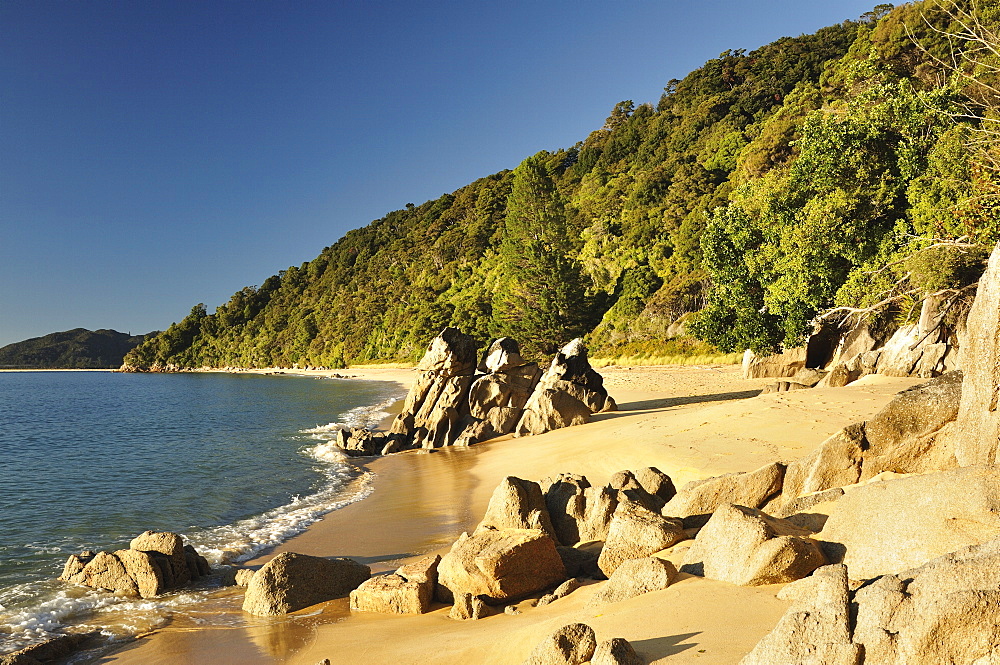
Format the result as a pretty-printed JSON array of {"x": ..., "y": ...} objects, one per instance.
[{"x": 73, "y": 349}]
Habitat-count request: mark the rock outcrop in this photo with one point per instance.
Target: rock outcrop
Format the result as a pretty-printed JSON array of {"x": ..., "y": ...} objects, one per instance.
[
  {"x": 410, "y": 590},
  {"x": 155, "y": 562},
  {"x": 467, "y": 607},
  {"x": 497, "y": 399},
  {"x": 886, "y": 527},
  {"x": 579, "y": 513},
  {"x": 567, "y": 394},
  {"x": 908, "y": 435},
  {"x": 616, "y": 651},
  {"x": 501, "y": 565},
  {"x": 451, "y": 405},
  {"x": 290, "y": 582},
  {"x": 749, "y": 548},
  {"x": 438, "y": 400},
  {"x": 977, "y": 427}
]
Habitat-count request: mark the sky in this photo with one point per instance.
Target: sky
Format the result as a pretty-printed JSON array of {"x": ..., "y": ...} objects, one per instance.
[{"x": 157, "y": 154}]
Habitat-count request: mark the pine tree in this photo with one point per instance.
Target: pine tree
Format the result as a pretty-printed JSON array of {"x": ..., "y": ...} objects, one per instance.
[{"x": 542, "y": 300}]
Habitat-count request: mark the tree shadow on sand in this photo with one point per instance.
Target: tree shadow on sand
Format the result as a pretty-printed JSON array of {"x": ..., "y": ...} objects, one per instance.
[
  {"x": 660, "y": 647},
  {"x": 666, "y": 402}
]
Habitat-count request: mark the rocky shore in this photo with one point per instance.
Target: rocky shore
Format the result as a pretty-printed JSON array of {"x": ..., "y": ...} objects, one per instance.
[{"x": 839, "y": 524}]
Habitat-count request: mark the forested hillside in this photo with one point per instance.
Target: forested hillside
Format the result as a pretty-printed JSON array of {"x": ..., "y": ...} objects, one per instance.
[
  {"x": 761, "y": 189},
  {"x": 73, "y": 349}
]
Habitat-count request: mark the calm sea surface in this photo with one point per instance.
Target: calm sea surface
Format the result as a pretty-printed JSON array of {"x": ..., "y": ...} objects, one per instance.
[{"x": 235, "y": 463}]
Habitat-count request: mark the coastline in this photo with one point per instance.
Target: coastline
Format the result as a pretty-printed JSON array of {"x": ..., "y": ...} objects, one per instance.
[{"x": 689, "y": 421}]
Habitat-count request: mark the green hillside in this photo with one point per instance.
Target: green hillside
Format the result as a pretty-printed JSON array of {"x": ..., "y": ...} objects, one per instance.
[
  {"x": 762, "y": 188},
  {"x": 73, "y": 349}
]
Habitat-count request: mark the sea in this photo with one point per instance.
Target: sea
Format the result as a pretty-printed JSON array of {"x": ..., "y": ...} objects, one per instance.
[{"x": 235, "y": 463}]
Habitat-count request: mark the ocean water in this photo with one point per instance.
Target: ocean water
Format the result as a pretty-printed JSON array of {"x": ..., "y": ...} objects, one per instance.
[{"x": 235, "y": 463}]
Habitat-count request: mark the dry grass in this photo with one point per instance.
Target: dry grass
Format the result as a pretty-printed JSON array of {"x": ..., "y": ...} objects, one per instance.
[{"x": 642, "y": 360}]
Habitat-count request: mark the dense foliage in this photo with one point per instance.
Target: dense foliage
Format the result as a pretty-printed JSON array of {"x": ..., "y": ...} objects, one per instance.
[
  {"x": 73, "y": 349},
  {"x": 759, "y": 190}
]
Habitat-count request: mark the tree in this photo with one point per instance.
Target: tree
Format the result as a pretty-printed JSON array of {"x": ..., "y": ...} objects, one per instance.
[{"x": 541, "y": 300}]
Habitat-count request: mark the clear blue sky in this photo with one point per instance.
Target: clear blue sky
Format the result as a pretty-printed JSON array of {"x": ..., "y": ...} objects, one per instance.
[{"x": 157, "y": 154}]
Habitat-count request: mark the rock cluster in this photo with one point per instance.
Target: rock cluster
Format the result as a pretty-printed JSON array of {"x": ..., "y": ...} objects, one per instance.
[
  {"x": 456, "y": 401},
  {"x": 155, "y": 562},
  {"x": 576, "y": 643}
]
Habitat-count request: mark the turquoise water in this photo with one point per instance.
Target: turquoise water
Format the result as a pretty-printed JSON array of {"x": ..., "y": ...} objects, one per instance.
[{"x": 234, "y": 462}]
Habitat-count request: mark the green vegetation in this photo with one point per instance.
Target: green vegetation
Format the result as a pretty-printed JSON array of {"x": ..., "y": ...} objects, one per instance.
[
  {"x": 73, "y": 349},
  {"x": 763, "y": 188}
]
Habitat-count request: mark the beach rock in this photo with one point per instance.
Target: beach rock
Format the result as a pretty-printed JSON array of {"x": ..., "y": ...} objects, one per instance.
[
  {"x": 171, "y": 546},
  {"x": 500, "y": 565},
  {"x": 517, "y": 504},
  {"x": 978, "y": 422},
  {"x": 561, "y": 591},
  {"x": 616, "y": 651},
  {"x": 900, "y": 436},
  {"x": 635, "y": 533},
  {"x": 409, "y": 590},
  {"x": 432, "y": 412},
  {"x": 468, "y": 607},
  {"x": 551, "y": 409},
  {"x": 780, "y": 365},
  {"x": 946, "y": 611},
  {"x": 567, "y": 394},
  {"x": 648, "y": 487},
  {"x": 579, "y": 512},
  {"x": 783, "y": 387},
  {"x": 835, "y": 463},
  {"x": 243, "y": 577},
  {"x": 509, "y": 387},
  {"x": 74, "y": 567},
  {"x": 749, "y": 548},
  {"x": 816, "y": 628},
  {"x": 197, "y": 564},
  {"x": 144, "y": 570},
  {"x": 511, "y": 610},
  {"x": 697, "y": 500},
  {"x": 106, "y": 571},
  {"x": 570, "y": 645},
  {"x": 890, "y": 526},
  {"x": 53, "y": 649},
  {"x": 360, "y": 441},
  {"x": 290, "y": 582},
  {"x": 634, "y": 578}
]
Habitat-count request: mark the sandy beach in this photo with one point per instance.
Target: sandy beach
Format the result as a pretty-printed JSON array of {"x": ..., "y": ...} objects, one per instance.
[{"x": 689, "y": 421}]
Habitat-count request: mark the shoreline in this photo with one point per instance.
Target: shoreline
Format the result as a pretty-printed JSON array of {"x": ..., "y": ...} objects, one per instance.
[{"x": 691, "y": 422}]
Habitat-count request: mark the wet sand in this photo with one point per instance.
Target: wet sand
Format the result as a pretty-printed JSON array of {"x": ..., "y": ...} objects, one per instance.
[{"x": 690, "y": 422}]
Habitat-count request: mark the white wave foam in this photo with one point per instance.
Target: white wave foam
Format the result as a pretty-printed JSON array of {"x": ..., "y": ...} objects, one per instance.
[{"x": 362, "y": 416}]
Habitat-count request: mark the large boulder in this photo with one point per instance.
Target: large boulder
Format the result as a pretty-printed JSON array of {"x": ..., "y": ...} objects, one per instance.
[
  {"x": 697, "y": 500},
  {"x": 579, "y": 513},
  {"x": 834, "y": 463},
  {"x": 749, "y": 548},
  {"x": 517, "y": 504},
  {"x": 816, "y": 628},
  {"x": 290, "y": 582},
  {"x": 785, "y": 364},
  {"x": 501, "y": 565},
  {"x": 890, "y": 526},
  {"x": 168, "y": 544},
  {"x": 570, "y": 645},
  {"x": 636, "y": 532},
  {"x": 977, "y": 434},
  {"x": 634, "y": 578},
  {"x": 409, "y": 590}
]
